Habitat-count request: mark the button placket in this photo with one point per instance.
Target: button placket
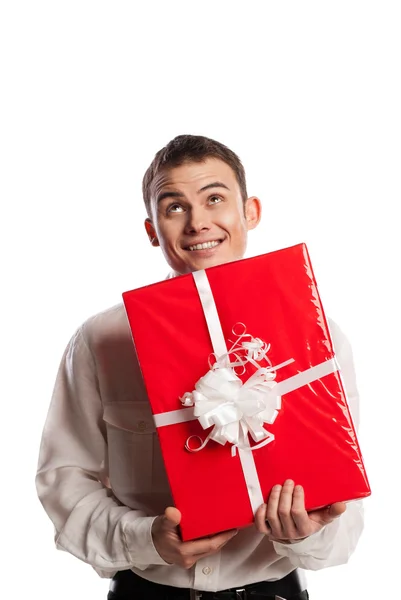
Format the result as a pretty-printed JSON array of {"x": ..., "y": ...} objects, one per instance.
[{"x": 206, "y": 576}]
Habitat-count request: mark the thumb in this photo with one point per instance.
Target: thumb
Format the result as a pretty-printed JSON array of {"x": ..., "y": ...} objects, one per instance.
[
  {"x": 326, "y": 515},
  {"x": 336, "y": 509},
  {"x": 173, "y": 516}
]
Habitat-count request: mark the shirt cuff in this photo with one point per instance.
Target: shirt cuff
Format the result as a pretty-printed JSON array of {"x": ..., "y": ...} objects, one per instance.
[
  {"x": 309, "y": 545},
  {"x": 139, "y": 542}
]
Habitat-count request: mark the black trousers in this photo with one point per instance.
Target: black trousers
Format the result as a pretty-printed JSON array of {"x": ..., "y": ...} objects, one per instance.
[
  {"x": 126, "y": 585},
  {"x": 134, "y": 596}
]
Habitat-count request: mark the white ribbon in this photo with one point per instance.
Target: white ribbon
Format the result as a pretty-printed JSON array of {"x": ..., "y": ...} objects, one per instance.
[
  {"x": 220, "y": 399},
  {"x": 235, "y": 409}
]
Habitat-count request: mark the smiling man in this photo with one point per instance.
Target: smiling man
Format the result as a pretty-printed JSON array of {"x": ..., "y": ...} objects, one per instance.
[
  {"x": 199, "y": 214},
  {"x": 101, "y": 477}
]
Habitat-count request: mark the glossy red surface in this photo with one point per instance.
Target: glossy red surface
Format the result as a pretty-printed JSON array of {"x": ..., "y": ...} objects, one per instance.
[{"x": 276, "y": 297}]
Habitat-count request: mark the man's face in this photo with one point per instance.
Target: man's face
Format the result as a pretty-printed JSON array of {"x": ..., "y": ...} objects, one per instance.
[{"x": 198, "y": 216}]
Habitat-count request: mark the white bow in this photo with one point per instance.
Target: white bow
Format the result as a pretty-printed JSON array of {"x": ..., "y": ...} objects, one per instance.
[{"x": 237, "y": 409}]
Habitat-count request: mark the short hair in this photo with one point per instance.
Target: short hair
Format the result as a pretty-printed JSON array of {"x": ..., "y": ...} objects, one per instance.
[{"x": 186, "y": 149}]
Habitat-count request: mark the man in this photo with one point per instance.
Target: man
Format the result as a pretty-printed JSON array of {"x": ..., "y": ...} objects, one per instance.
[{"x": 101, "y": 477}]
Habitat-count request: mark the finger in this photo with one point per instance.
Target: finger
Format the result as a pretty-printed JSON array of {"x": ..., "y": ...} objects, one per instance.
[
  {"x": 284, "y": 511},
  {"x": 260, "y": 520},
  {"x": 298, "y": 512},
  {"x": 190, "y": 553},
  {"x": 271, "y": 511},
  {"x": 326, "y": 515},
  {"x": 337, "y": 509},
  {"x": 209, "y": 545},
  {"x": 219, "y": 542},
  {"x": 223, "y": 537},
  {"x": 215, "y": 542},
  {"x": 188, "y": 561},
  {"x": 172, "y": 516}
]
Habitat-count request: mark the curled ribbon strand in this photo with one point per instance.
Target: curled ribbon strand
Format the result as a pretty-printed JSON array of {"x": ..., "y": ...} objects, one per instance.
[{"x": 236, "y": 409}]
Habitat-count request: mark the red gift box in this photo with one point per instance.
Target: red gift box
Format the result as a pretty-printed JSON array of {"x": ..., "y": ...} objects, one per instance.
[{"x": 309, "y": 436}]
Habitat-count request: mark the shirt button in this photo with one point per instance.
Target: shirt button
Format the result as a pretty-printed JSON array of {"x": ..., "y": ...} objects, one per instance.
[
  {"x": 206, "y": 570},
  {"x": 142, "y": 425}
]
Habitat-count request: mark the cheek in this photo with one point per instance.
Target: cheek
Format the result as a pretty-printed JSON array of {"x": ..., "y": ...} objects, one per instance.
[
  {"x": 236, "y": 226},
  {"x": 169, "y": 236}
]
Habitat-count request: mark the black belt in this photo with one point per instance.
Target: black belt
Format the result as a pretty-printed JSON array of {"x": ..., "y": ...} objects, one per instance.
[{"x": 126, "y": 585}]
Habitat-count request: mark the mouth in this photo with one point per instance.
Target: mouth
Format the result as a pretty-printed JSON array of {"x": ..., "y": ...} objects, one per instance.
[{"x": 204, "y": 246}]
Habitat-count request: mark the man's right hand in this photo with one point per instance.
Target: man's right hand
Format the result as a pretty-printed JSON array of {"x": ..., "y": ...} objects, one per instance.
[{"x": 173, "y": 550}]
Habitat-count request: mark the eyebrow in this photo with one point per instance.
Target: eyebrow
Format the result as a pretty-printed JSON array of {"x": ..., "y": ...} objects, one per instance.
[{"x": 215, "y": 184}]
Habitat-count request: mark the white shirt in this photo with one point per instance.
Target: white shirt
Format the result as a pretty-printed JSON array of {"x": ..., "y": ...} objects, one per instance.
[{"x": 102, "y": 481}]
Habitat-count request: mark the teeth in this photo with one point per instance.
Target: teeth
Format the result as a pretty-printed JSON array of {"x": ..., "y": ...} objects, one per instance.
[{"x": 204, "y": 246}]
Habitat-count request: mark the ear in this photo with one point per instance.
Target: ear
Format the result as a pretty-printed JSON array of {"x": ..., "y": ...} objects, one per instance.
[
  {"x": 150, "y": 230},
  {"x": 253, "y": 212}
]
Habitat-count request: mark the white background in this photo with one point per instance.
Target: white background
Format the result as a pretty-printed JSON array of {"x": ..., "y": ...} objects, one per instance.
[{"x": 308, "y": 94}]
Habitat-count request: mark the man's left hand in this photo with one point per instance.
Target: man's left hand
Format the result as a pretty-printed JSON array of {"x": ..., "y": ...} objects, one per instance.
[{"x": 284, "y": 518}]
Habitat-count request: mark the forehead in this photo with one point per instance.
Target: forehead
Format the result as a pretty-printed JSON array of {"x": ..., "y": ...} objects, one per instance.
[{"x": 195, "y": 175}]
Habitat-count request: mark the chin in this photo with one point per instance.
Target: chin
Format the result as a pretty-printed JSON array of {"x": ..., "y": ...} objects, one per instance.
[{"x": 213, "y": 262}]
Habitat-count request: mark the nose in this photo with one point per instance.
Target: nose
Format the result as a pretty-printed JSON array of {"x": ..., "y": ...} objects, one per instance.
[{"x": 197, "y": 221}]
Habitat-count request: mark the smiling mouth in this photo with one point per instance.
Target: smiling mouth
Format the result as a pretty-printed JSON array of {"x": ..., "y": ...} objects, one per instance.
[{"x": 204, "y": 245}]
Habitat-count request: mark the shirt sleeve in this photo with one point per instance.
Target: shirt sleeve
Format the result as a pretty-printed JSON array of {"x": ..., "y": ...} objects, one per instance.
[
  {"x": 334, "y": 543},
  {"x": 89, "y": 521}
]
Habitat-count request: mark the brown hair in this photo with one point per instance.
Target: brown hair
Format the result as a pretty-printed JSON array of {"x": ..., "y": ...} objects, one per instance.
[{"x": 191, "y": 148}]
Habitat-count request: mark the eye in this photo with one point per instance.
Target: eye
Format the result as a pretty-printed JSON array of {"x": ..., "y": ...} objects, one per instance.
[
  {"x": 174, "y": 208},
  {"x": 215, "y": 199}
]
